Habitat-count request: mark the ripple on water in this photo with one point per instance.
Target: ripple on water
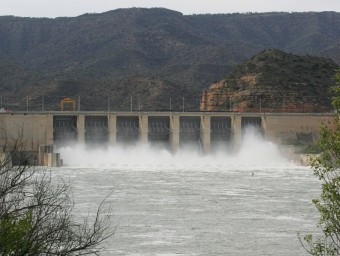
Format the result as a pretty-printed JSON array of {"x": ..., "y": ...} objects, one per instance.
[
  {"x": 253, "y": 203},
  {"x": 200, "y": 211}
]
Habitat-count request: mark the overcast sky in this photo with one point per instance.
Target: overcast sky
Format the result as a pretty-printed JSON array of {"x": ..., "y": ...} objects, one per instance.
[{"x": 57, "y": 8}]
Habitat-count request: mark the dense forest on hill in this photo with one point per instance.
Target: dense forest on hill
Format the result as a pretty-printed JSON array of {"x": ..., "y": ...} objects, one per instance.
[{"x": 151, "y": 55}]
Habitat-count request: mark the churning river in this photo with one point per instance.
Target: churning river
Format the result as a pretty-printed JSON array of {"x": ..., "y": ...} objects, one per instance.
[{"x": 251, "y": 203}]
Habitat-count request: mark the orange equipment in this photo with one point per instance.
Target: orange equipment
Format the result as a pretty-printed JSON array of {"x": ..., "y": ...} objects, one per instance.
[{"x": 67, "y": 102}]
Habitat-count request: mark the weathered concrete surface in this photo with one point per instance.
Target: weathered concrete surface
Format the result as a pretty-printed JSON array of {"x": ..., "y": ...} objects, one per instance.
[
  {"x": 112, "y": 122},
  {"x": 43, "y": 149},
  {"x": 35, "y": 128},
  {"x": 32, "y": 129},
  {"x": 279, "y": 127},
  {"x": 205, "y": 133},
  {"x": 52, "y": 160},
  {"x": 174, "y": 132},
  {"x": 81, "y": 128},
  {"x": 143, "y": 128},
  {"x": 236, "y": 130}
]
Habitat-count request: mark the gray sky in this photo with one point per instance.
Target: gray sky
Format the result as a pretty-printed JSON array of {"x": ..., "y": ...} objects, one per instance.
[{"x": 57, "y": 8}]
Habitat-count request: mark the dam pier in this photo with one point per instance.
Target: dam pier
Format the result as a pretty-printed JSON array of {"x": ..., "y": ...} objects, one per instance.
[{"x": 206, "y": 130}]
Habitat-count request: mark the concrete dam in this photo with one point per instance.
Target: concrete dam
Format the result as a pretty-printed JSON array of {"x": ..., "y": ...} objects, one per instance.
[{"x": 170, "y": 129}]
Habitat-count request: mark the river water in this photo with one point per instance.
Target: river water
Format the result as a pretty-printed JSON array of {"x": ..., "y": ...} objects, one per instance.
[{"x": 251, "y": 203}]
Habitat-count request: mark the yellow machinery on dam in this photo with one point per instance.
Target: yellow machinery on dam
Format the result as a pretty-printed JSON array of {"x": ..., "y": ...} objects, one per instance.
[
  {"x": 68, "y": 104},
  {"x": 172, "y": 129}
]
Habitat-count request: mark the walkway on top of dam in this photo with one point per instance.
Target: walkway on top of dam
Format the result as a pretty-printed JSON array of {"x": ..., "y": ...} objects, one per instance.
[{"x": 165, "y": 113}]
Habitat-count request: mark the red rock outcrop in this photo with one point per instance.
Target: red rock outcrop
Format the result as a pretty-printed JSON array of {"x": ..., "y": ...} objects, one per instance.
[{"x": 274, "y": 81}]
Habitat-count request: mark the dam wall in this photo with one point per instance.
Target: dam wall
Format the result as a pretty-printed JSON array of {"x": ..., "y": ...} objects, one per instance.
[
  {"x": 204, "y": 130},
  {"x": 28, "y": 128},
  {"x": 282, "y": 128}
]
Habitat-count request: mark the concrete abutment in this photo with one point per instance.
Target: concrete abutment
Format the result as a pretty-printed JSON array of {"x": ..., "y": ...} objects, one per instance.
[{"x": 174, "y": 133}]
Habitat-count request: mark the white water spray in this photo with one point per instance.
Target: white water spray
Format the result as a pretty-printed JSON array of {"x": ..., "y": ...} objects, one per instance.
[{"x": 254, "y": 150}]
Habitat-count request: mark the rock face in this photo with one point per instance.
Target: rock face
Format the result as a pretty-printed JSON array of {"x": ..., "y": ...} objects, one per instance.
[{"x": 274, "y": 81}]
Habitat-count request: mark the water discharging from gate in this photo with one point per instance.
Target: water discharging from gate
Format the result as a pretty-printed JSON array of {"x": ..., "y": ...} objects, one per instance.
[
  {"x": 193, "y": 204},
  {"x": 253, "y": 150}
]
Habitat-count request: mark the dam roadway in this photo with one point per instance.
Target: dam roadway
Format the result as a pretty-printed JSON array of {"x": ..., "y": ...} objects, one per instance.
[{"x": 172, "y": 129}]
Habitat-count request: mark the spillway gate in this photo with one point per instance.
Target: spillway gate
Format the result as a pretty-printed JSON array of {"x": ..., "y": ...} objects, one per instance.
[
  {"x": 220, "y": 133},
  {"x": 127, "y": 129},
  {"x": 189, "y": 129},
  {"x": 65, "y": 130},
  {"x": 253, "y": 122},
  {"x": 158, "y": 128},
  {"x": 96, "y": 130},
  {"x": 173, "y": 130}
]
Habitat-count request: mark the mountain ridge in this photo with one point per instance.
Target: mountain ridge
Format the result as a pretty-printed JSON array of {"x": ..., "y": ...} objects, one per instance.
[{"x": 185, "y": 52}]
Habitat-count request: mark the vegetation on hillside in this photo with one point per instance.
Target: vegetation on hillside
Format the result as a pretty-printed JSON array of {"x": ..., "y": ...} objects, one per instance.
[
  {"x": 275, "y": 81},
  {"x": 94, "y": 55}
]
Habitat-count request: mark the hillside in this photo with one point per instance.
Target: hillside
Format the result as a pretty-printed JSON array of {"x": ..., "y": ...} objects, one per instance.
[
  {"x": 274, "y": 81},
  {"x": 150, "y": 54}
]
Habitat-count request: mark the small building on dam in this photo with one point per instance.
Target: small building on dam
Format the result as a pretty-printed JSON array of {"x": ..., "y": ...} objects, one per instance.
[{"x": 208, "y": 131}]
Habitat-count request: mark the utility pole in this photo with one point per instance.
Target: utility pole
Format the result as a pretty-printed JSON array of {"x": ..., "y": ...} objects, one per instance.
[
  {"x": 108, "y": 104},
  {"x": 230, "y": 104},
  {"x": 284, "y": 102},
  {"x": 170, "y": 105},
  {"x": 78, "y": 103},
  {"x": 27, "y": 104},
  {"x": 42, "y": 104},
  {"x": 183, "y": 104},
  {"x": 260, "y": 105},
  {"x": 131, "y": 105}
]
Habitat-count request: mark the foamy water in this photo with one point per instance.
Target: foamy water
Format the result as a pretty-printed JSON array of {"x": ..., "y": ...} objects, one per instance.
[
  {"x": 200, "y": 210},
  {"x": 251, "y": 203},
  {"x": 253, "y": 150}
]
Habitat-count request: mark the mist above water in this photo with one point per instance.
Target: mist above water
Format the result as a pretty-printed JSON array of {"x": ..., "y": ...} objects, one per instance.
[
  {"x": 254, "y": 150},
  {"x": 193, "y": 204}
]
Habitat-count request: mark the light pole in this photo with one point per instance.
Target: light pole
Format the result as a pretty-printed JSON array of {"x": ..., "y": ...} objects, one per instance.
[
  {"x": 183, "y": 104},
  {"x": 131, "y": 104},
  {"x": 139, "y": 105}
]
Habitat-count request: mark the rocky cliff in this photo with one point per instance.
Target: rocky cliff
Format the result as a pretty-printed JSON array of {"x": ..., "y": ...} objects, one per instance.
[{"x": 274, "y": 81}]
